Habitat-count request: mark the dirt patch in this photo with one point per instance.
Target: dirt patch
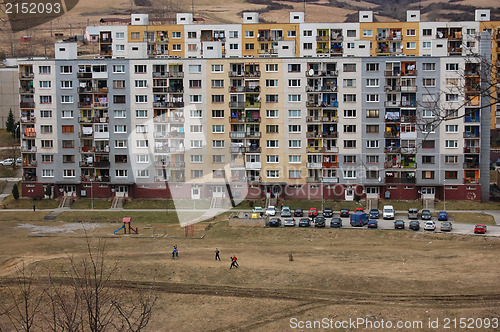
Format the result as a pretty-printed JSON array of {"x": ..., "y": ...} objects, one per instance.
[{"x": 62, "y": 228}]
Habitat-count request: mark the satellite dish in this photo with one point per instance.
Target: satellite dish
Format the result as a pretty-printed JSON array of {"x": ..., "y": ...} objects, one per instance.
[{"x": 311, "y": 72}]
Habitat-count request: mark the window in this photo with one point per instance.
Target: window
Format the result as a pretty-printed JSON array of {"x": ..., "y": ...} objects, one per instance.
[
  {"x": 47, "y": 158},
  {"x": 120, "y": 35},
  {"x": 371, "y": 129},
  {"x": 452, "y": 128},
  {"x": 349, "y": 174},
  {"x": 428, "y": 128},
  {"x": 120, "y": 114},
  {"x": 217, "y": 68},
  {"x": 139, "y": 114},
  {"x": 451, "y": 175},
  {"x": 349, "y": 159},
  {"x": 294, "y": 114},
  {"x": 428, "y": 175},
  {"x": 119, "y": 84},
  {"x": 45, "y": 129},
  {"x": 196, "y": 159},
  {"x": 218, "y": 144},
  {"x": 196, "y": 173},
  {"x": 271, "y": 98},
  {"x": 411, "y": 45},
  {"x": 411, "y": 32},
  {"x": 372, "y": 144},
  {"x": 372, "y": 67},
  {"x": 372, "y": 114},
  {"x": 120, "y": 129},
  {"x": 430, "y": 82},
  {"x": 45, "y": 99},
  {"x": 451, "y": 144},
  {"x": 176, "y": 34},
  {"x": 294, "y": 174},
  {"x": 46, "y": 114},
  {"x": 272, "y": 129},
  {"x": 195, "y": 69},
  {"x": 349, "y": 67},
  {"x": 196, "y": 144},
  {"x": 349, "y": 98},
  {"x": 349, "y": 128},
  {"x": 67, "y": 99},
  {"x": 291, "y": 33},
  {"x": 66, "y": 114},
  {"x": 294, "y": 98},
  {"x": 426, "y": 45},
  {"x": 451, "y": 159},
  {"x": 233, "y": 34},
  {"x": 451, "y": 97},
  {"x": 271, "y": 67},
  {"x": 120, "y": 143},
  {"x": 218, "y": 159},
  {"x": 271, "y": 83},
  {"x": 367, "y": 33},
  {"x": 452, "y": 66},
  {"x": 307, "y": 46},
  {"x": 372, "y": 98},
  {"x": 216, "y": 114},
  {"x": 372, "y": 82},
  {"x": 428, "y": 144},
  {"x": 47, "y": 143},
  {"x": 135, "y": 35},
  {"x": 118, "y": 68},
  {"x": 142, "y": 173},
  {"x": 176, "y": 47},
  {"x": 194, "y": 84},
  {"x": 217, "y": 98},
  {"x": 195, "y": 114},
  {"x": 142, "y": 143},
  {"x": 249, "y": 46},
  {"x": 452, "y": 81},
  {"x": 426, "y": 32},
  {"x": 294, "y": 128},
  {"x": 142, "y": 158},
  {"x": 429, "y": 66},
  {"x": 370, "y": 159},
  {"x": 196, "y": 128},
  {"x": 349, "y": 83},
  {"x": 141, "y": 98},
  {"x": 195, "y": 99},
  {"x": 294, "y": 67},
  {"x": 249, "y": 34},
  {"x": 140, "y": 69},
  {"x": 191, "y": 34},
  {"x": 273, "y": 173},
  {"x": 67, "y": 129},
  {"x": 45, "y": 84},
  {"x": 44, "y": 70},
  {"x": 307, "y": 33},
  {"x": 427, "y": 114},
  {"x": 217, "y": 84},
  {"x": 141, "y": 128},
  {"x": 350, "y": 144},
  {"x": 351, "y": 33},
  {"x": 350, "y": 45},
  {"x": 141, "y": 83},
  {"x": 234, "y": 46},
  {"x": 272, "y": 159},
  {"x": 428, "y": 159},
  {"x": 272, "y": 114},
  {"x": 294, "y": 159},
  {"x": 119, "y": 99},
  {"x": 272, "y": 144},
  {"x": 121, "y": 173},
  {"x": 217, "y": 129},
  {"x": 66, "y": 84},
  {"x": 47, "y": 173}
]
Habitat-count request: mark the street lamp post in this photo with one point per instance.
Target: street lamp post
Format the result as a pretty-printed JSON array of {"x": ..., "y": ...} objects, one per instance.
[
  {"x": 444, "y": 194},
  {"x": 91, "y": 194}
]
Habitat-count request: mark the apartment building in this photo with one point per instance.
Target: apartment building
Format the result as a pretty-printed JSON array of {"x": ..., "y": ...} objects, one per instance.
[{"x": 324, "y": 110}]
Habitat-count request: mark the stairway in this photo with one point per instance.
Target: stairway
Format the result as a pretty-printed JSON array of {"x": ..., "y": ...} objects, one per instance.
[
  {"x": 428, "y": 204},
  {"x": 65, "y": 202},
  {"x": 117, "y": 203}
]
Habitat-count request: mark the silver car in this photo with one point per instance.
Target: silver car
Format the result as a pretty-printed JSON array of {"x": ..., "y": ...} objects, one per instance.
[
  {"x": 446, "y": 226},
  {"x": 289, "y": 222}
]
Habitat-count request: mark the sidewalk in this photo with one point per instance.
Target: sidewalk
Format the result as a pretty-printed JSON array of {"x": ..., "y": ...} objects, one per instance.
[{"x": 8, "y": 188}]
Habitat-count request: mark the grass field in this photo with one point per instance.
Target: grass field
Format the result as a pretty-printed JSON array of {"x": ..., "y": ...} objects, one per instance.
[
  {"x": 86, "y": 203},
  {"x": 339, "y": 274},
  {"x": 25, "y": 203}
]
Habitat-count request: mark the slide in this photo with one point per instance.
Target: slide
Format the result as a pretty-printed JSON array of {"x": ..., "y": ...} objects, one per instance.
[{"x": 123, "y": 226}]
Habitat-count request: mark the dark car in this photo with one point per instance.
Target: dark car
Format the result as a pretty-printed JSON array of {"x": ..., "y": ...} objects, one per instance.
[
  {"x": 372, "y": 223},
  {"x": 327, "y": 212},
  {"x": 275, "y": 222},
  {"x": 336, "y": 223},
  {"x": 319, "y": 222},
  {"x": 374, "y": 214},
  {"x": 344, "y": 213},
  {"x": 442, "y": 216},
  {"x": 399, "y": 224},
  {"x": 414, "y": 225},
  {"x": 498, "y": 162},
  {"x": 426, "y": 215},
  {"x": 298, "y": 213},
  {"x": 304, "y": 222}
]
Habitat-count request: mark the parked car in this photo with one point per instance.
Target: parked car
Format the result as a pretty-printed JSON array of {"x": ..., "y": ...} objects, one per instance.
[
  {"x": 388, "y": 212},
  {"x": 298, "y": 213},
  {"x": 271, "y": 210},
  {"x": 412, "y": 213},
  {"x": 304, "y": 222},
  {"x": 498, "y": 162},
  {"x": 7, "y": 162},
  {"x": 442, "y": 216},
  {"x": 289, "y": 222},
  {"x": 414, "y": 225},
  {"x": 286, "y": 212},
  {"x": 399, "y": 224},
  {"x": 359, "y": 210},
  {"x": 344, "y": 213},
  {"x": 426, "y": 215},
  {"x": 429, "y": 226},
  {"x": 258, "y": 209},
  {"x": 372, "y": 223},
  {"x": 446, "y": 226},
  {"x": 275, "y": 222},
  {"x": 374, "y": 214},
  {"x": 336, "y": 223},
  {"x": 358, "y": 219},
  {"x": 492, "y": 167},
  {"x": 319, "y": 222},
  {"x": 327, "y": 212},
  {"x": 480, "y": 229},
  {"x": 19, "y": 161},
  {"x": 313, "y": 212}
]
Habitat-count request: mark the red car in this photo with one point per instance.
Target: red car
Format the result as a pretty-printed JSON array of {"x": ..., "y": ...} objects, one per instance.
[
  {"x": 480, "y": 229},
  {"x": 359, "y": 209},
  {"x": 313, "y": 212}
]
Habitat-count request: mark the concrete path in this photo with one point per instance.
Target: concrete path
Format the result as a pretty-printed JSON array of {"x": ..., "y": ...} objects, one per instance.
[{"x": 8, "y": 188}]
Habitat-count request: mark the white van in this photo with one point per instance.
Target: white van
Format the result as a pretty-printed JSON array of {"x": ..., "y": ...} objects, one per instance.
[{"x": 388, "y": 212}]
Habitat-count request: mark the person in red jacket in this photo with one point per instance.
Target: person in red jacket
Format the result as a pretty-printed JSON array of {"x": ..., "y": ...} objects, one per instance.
[{"x": 234, "y": 262}]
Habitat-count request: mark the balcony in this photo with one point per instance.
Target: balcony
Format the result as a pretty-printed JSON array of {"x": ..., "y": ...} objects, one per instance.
[
  {"x": 102, "y": 164},
  {"x": 410, "y": 180},
  {"x": 256, "y": 179},
  {"x": 101, "y": 150},
  {"x": 409, "y": 103},
  {"x": 84, "y": 105},
  {"x": 333, "y": 179},
  {"x": 408, "y": 89},
  {"x": 84, "y": 75},
  {"x": 472, "y": 149},
  {"x": 314, "y": 149},
  {"x": 471, "y": 181},
  {"x": 86, "y": 164},
  {"x": 330, "y": 164},
  {"x": 87, "y": 149},
  {"x": 169, "y": 104},
  {"x": 314, "y": 165},
  {"x": 244, "y": 120},
  {"x": 314, "y": 135},
  {"x": 252, "y": 73},
  {"x": 170, "y": 74},
  {"x": 236, "y": 104},
  {"x": 392, "y": 149},
  {"x": 25, "y": 149},
  {"x": 313, "y": 119},
  {"x": 392, "y": 164},
  {"x": 28, "y": 164},
  {"x": 252, "y": 105},
  {"x": 253, "y": 165},
  {"x": 331, "y": 149},
  {"x": 236, "y": 74},
  {"x": 26, "y": 90},
  {"x": 101, "y": 178},
  {"x": 27, "y": 104},
  {"x": 313, "y": 179},
  {"x": 166, "y": 89},
  {"x": 28, "y": 120},
  {"x": 30, "y": 178},
  {"x": 26, "y": 76},
  {"x": 322, "y": 38},
  {"x": 471, "y": 165},
  {"x": 469, "y": 134},
  {"x": 392, "y": 73},
  {"x": 251, "y": 149},
  {"x": 391, "y": 134},
  {"x": 331, "y": 134}
]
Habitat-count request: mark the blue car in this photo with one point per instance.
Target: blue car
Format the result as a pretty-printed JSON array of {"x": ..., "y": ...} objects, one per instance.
[
  {"x": 443, "y": 216},
  {"x": 372, "y": 223},
  {"x": 374, "y": 214}
]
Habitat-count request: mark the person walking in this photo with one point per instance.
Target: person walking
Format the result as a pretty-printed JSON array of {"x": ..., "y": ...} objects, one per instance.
[
  {"x": 233, "y": 262},
  {"x": 176, "y": 251},
  {"x": 217, "y": 254},
  {"x": 34, "y": 207}
]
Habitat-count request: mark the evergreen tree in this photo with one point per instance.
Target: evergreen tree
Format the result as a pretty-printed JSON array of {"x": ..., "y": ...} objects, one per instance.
[
  {"x": 10, "y": 123},
  {"x": 15, "y": 192},
  {"x": 48, "y": 191}
]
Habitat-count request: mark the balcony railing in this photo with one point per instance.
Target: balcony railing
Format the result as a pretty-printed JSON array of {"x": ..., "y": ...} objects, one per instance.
[
  {"x": 86, "y": 164},
  {"x": 472, "y": 149},
  {"x": 169, "y": 74},
  {"x": 392, "y": 164},
  {"x": 169, "y": 104},
  {"x": 314, "y": 165},
  {"x": 235, "y": 104},
  {"x": 471, "y": 165},
  {"x": 27, "y": 104},
  {"x": 25, "y": 149},
  {"x": 29, "y": 178},
  {"x": 102, "y": 164},
  {"x": 244, "y": 120},
  {"x": 32, "y": 163},
  {"x": 236, "y": 74},
  {"x": 312, "y": 179},
  {"x": 469, "y": 134},
  {"x": 28, "y": 120},
  {"x": 471, "y": 181}
]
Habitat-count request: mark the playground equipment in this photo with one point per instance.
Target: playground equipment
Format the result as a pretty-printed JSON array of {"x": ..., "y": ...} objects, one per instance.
[
  {"x": 127, "y": 226},
  {"x": 159, "y": 231}
]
